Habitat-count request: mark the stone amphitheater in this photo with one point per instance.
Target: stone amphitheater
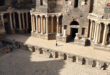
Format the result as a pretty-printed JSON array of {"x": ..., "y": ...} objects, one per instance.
[{"x": 76, "y": 31}]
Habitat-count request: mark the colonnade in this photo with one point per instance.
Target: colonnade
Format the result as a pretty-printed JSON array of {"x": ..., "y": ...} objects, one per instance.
[
  {"x": 22, "y": 20},
  {"x": 99, "y": 32},
  {"x": 45, "y": 24}
]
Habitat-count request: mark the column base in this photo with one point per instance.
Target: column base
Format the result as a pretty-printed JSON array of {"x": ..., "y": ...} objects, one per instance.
[
  {"x": 103, "y": 44},
  {"x": 58, "y": 34}
]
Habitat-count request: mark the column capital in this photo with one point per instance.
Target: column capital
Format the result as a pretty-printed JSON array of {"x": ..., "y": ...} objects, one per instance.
[
  {"x": 10, "y": 13},
  {"x": 36, "y": 15},
  {"x": 98, "y": 22},
  {"x": 106, "y": 24},
  {"x": 52, "y": 15}
]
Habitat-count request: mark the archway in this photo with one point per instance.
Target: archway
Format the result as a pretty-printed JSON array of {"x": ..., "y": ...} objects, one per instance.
[
  {"x": 73, "y": 30},
  {"x": 74, "y": 23}
]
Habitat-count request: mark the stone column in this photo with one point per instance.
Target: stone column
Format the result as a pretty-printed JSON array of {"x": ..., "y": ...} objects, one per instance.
[
  {"x": 11, "y": 23},
  {"x": 36, "y": 24},
  {"x": 97, "y": 33},
  {"x": 23, "y": 21},
  {"x": 20, "y": 26},
  {"x": 46, "y": 25},
  {"x": 105, "y": 35},
  {"x": 58, "y": 26},
  {"x": 64, "y": 33},
  {"x": 27, "y": 23},
  {"x": 41, "y": 24},
  {"x": 14, "y": 20},
  {"x": 91, "y": 30}
]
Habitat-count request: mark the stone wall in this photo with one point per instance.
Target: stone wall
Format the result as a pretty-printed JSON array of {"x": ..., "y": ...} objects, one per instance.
[{"x": 99, "y": 6}]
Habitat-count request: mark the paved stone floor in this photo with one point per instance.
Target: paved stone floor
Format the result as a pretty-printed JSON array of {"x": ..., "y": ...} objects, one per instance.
[
  {"x": 89, "y": 52},
  {"x": 21, "y": 62}
]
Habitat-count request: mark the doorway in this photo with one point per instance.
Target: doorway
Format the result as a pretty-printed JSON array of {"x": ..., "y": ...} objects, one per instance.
[{"x": 73, "y": 33}]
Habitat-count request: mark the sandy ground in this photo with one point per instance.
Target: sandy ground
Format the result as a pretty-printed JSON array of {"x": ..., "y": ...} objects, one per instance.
[
  {"x": 89, "y": 52},
  {"x": 21, "y": 62}
]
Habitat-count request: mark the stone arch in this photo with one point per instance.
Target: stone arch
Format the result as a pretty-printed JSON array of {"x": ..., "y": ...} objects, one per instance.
[
  {"x": 101, "y": 32},
  {"x": 65, "y": 56},
  {"x": 83, "y": 61},
  {"x": 74, "y": 22},
  {"x": 74, "y": 58},
  {"x": 94, "y": 63}
]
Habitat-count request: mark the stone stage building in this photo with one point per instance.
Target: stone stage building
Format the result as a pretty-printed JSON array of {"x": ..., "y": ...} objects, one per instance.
[{"x": 85, "y": 22}]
